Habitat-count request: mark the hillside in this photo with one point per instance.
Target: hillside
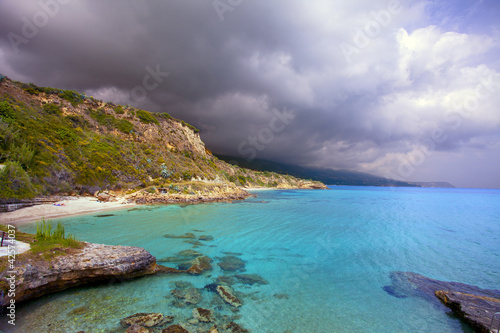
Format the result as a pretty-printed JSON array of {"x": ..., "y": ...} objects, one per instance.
[
  {"x": 56, "y": 141},
  {"x": 327, "y": 176}
]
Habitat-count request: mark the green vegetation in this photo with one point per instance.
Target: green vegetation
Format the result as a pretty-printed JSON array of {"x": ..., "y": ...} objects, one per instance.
[
  {"x": 49, "y": 242},
  {"x": 44, "y": 231},
  {"x": 43, "y": 152},
  {"x": 146, "y": 117},
  {"x": 15, "y": 182}
]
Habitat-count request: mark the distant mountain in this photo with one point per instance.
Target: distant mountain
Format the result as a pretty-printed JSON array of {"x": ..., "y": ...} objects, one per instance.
[
  {"x": 434, "y": 184},
  {"x": 327, "y": 176}
]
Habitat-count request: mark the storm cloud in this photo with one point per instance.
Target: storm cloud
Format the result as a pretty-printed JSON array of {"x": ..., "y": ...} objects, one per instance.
[{"x": 405, "y": 89}]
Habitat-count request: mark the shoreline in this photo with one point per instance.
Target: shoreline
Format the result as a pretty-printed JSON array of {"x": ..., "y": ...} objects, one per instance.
[{"x": 71, "y": 207}]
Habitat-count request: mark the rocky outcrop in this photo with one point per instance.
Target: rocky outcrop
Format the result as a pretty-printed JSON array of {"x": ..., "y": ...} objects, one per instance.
[
  {"x": 213, "y": 193},
  {"x": 474, "y": 305},
  {"x": 94, "y": 263},
  {"x": 227, "y": 294}
]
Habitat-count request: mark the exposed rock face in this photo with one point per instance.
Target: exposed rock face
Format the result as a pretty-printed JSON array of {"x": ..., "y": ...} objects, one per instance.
[
  {"x": 93, "y": 263},
  {"x": 474, "y": 305},
  {"x": 475, "y": 310}
]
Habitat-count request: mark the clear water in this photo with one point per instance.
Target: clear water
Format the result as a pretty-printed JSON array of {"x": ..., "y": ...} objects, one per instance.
[{"x": 330, "y": 252}]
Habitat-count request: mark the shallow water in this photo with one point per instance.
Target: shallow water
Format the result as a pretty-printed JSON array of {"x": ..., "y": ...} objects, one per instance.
[{"x": 326, "y": 255}]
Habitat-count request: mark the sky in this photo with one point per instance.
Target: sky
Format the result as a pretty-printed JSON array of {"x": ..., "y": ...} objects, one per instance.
[{"x": 408, "y": 90}]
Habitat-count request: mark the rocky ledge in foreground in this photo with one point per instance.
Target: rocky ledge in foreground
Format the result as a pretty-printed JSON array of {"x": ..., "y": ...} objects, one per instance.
[
  {"x": 94, "y": 263},
  {"x": 474, "y": 305}
]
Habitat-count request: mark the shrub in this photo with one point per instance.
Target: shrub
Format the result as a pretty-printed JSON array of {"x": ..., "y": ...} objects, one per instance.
[
  {"x": 119, "y": 109},
  {"x": 146, "y": 117},
  {"x": 52, "y": 108},
  {"x": 7, "y": 113},
  {"x": 23, "y": 154},
  {"x": 72, "y": 96},
  {"x": 15, "y": 183},
  {"x": 124, "y": 125}
]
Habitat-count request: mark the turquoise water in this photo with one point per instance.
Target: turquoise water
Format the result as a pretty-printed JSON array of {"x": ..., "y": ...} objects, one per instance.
[{"x": 325, "y": 254}]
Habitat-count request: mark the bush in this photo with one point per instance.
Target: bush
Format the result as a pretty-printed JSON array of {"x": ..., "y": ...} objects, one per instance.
[
  {"x": 119, "y": 110},
  {"x": 44, "y": 231},
  {"x": 72, "y": 96},
  {"x": 52, "y": 108},
  {"x": 23, "y": 154},
  {"x": 124, "y": 125},
  {"x": 146, "y": 117},
  {"x": 7, "y": 113},
  {"x": 15, "y": 183}
]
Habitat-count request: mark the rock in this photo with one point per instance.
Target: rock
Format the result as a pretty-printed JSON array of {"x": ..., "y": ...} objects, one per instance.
[
  {"x": 473, "y": 304},
  {"x": 213, "y": 329},
  {"x": 234, "y": 328},
  {"x": 146, "y": 319},
  {"x": 475, "y": 310},
  {"x": 175, "y": 329},
  {"x": 190, "y": 253},
  {"x": 231, "y": 263},
  {"x": 211, "y": 287},
  {"x": 200, "y": 265},
  {"x": 203, "y": 315},
  {"x": 95, "y": 263},
  {"x": 187, "y": 235},
  {"x": 281, "y": 296},
  {"x": 228, "y": 280},
  {"x": 103, "y": 197},
  {"x": 228, "y": 296},
  {"x": 137, "y": 329},
  {"x": 251, "y": 279},
  {"x": 189, "y": 295},
  {"x": 206, "y": 238}
]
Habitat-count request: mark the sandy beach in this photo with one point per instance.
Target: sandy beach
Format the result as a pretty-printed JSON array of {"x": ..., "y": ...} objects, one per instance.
[{"x": 72, "y": 206}]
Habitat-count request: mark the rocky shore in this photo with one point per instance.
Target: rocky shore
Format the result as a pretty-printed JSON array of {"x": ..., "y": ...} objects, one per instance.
[
  {"x": 37, "y": 276},
  {"x": 473, "y": 305}
]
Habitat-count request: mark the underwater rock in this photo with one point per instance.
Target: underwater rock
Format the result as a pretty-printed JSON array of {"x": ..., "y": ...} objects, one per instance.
[
  {"x": 187, "y": 235},
  {"x": 195, "y": 243},
  {"x": 203, "y": 315},
  {"x": 175, "y": 329},
  {"x": 206, "y": 238},
  {"x": 235, "y": 328},
  {"x": 226, "y": 279},
  {"x": 190, "y": 253},
  {"x": 189, "y": 295},
  {"x": 211, "y": 287},
  {"x": 146, "y": 319},
  {"x": 213, "y": 329},
  {"x": 231, "y": 264},
  {"x": 251, "y": 279},
  {"x": 228, "y": 296},
  {"x": 281, "y": 296},
  {"x": 200, "y": 265},
  {"x": 137, "y": 329},
  {"x": 473, "y": 304}
]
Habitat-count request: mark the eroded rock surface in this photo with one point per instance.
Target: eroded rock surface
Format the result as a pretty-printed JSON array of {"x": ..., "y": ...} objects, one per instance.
[{"x": 474, "y": 305}]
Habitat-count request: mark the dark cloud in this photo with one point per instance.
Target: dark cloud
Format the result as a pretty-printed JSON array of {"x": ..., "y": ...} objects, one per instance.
[{"x": 358, "y": 102}]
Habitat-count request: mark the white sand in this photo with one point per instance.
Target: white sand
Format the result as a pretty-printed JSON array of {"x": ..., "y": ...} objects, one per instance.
[{"x": 76, "y": 206}]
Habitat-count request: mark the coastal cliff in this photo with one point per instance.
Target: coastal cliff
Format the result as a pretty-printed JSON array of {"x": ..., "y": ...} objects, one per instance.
[
  {"x": 94, "y": 263},
  {"x": 61, "y": 142}
]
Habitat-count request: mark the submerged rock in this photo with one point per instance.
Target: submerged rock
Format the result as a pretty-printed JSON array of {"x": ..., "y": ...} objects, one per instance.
[
  {"x": 188, "y": 295},
  {"x": 146, "y": 319},
  {"x": 206, "y": 238},
  {"x": 235, "y": 328},
  {"x": 137, "y": 329},
  {"x": 231, "y": 264},
  {"x": 251, "y": 279},
  {"x": 175, "y": 329},
  {"x": 474, "y": 305},
  {"x": 227, "y": 294},
  {"x": 203, "y": 315},
  {"x": 187, "y": 235},
  {"x": 281, "y": 296},
  {"x": 200, "y": 265}
]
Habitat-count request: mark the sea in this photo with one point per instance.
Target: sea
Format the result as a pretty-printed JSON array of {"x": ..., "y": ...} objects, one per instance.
[{"x": 324, "y": 257}]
